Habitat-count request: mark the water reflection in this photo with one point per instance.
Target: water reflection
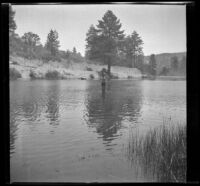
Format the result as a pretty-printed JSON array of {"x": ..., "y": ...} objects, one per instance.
[
  {"x": 108, "y": 107},
  {"x": 103, "y": 92},
  {"x": 13, "y": 127},
  {"x": 53, "y": 105},
  {"x": 30, "y": 104},
  {"x": 38, "y": 108}
]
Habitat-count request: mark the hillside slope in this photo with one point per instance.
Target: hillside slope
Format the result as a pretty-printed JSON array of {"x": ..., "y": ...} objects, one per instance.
[{"x": 67, "y": 70}]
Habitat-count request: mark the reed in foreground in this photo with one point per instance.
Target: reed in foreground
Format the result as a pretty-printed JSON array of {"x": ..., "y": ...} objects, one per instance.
[{"x": 160, "y": 152}]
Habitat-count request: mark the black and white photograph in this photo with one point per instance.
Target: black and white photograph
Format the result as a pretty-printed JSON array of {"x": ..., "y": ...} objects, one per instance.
[{"x": 97, "y": 93}]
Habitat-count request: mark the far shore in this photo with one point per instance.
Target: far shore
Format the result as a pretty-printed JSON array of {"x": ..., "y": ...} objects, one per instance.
[
  {"x": 164, "y": 78},
  {"x": 171, "y": 77}
]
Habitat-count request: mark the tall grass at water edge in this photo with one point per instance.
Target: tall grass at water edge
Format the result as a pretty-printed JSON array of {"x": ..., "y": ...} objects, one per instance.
[{"x": 160, "y": 152}]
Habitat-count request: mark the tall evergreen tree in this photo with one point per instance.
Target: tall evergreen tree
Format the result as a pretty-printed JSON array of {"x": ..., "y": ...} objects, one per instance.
[
  {"x": 74, "y": 50},
  {"x": 91, "y": 46},
  {"x": 12, "y": 24},
  {"x": 174, "y": 63},
  {"x": 14, "y": 40},
  {"x": 109, "y": 29},
  {"x": 102, "y": 43},
  {"x": 183, "y": 64},
  {"x": 137, "y": 48},
  {"x": 152, "y": 64},
  {"x": 67, "y": 54},
  {"x": 52, "y": 43},
  {"x": 133, "y": 49},
  {"x": 140, "y": 62},
  {"x": 127, "y": 49}
]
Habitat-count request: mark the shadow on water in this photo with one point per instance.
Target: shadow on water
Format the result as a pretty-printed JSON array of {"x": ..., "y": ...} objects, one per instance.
[
  {"x": 107, "y": 107},
  {"x": 103, "y": 92}
]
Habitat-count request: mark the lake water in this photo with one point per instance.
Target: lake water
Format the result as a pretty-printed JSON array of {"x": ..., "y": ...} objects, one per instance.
[{"x": 73, "y": 131}]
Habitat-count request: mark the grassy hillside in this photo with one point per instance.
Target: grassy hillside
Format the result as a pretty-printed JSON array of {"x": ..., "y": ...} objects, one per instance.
[{"x": 65, "y": 69}]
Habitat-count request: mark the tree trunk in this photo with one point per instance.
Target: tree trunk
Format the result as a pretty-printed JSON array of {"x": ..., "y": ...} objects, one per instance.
[
  {"x": 109, "y": 67},
  {"x": 133, "y": 62}
]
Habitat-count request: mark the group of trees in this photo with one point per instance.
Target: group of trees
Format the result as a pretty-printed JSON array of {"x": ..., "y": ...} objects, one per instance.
[
  {"x": 29, "y": 45},
  {"x": 73, "y": 55},
  {"x": 108, "y": 44},
  {"x": 150, "y": 66},
  {"x": 176, "y": 66}
]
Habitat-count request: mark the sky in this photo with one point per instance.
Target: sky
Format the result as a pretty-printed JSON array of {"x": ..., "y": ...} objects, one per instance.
[{"x": 161, "y": 27}]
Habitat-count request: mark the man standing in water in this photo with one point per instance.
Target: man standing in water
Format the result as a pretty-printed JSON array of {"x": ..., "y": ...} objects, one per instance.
[{"x": 103, "y": 82}]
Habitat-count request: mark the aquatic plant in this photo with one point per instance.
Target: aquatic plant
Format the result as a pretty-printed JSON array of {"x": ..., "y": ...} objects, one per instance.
[{"x": 160, "y": 152}]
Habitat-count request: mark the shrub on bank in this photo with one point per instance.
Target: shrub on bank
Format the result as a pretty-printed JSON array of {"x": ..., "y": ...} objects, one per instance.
[
  {"x": 130, "y": 77},
  {"x": 33, "y": 75},
  {"x": 14, "y": 74},
  {"x": 89, "y": 69},
  {"x": 91, "y": 76},
  {"x": 113, "y": 76},
  {"x": 15, "y": 63},
  {"x": 52, "y": 75}
]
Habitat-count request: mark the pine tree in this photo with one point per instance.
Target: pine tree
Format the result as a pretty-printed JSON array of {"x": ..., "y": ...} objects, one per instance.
[
  {"x": 110, "y": 26},
  {"x": 74, "y": 50},
  {"x": 52, "y": 43},
  {"x": 133, "y": 49},
  {"x": 174, "y": 63},
  {"x": 127, "y": 49},
  {"x": 183, "y": 64},
  {"x": 67, "y": 54},
  {"x": 140, "y": 62},
  {"x": 137, "y": 48},
  {"x": 109, "y": 30},
  {"x": 91, "y": 38},
  {"x": 102, "y": 42},
  {"x": 152, "y": 64},
  {"x": 12, "y": 24}
]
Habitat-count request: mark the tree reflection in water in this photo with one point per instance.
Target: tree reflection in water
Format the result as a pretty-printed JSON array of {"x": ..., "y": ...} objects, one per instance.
[
  {"x": 108, "y": 107},
  {"x": 24, "y": 108},
  {"x": 30, "y": 103},
  {"x": 53, "y": 104},
  {"x": 13, "y": 127}
]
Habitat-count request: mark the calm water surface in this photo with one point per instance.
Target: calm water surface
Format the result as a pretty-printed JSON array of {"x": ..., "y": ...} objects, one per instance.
[{"x": 73, "y": 131}]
